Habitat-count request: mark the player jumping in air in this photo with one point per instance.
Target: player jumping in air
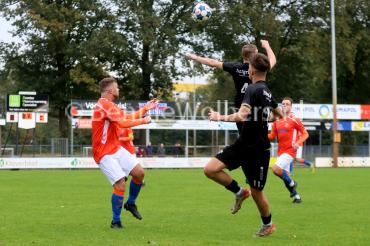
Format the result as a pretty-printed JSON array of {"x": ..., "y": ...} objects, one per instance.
[
  {"x": 238, "y": 70},
  {"x": 113, "y": 160},
  {"x": 290, "y": 134},
  {"x": 251, "y": 150}
]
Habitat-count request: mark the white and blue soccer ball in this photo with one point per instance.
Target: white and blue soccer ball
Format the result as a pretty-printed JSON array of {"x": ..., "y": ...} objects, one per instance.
[{"x": 201, "y": 11}]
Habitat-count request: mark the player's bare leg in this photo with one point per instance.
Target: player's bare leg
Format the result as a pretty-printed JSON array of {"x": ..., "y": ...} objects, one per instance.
[
  {"x": 263, "y": 206},
  {"x": 137, "y": 174},
  {"x": 214, "y": 170}
]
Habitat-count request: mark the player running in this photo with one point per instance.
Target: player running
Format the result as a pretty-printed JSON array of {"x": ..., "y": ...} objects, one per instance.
[
  {"x": 238, "y": 70},
  {"x": 251, "y": 150},
  {"x": 290, "y": 134},
  {"x": 113, "y": 160}
]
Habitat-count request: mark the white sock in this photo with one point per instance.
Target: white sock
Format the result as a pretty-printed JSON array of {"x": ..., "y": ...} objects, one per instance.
[
  {"x": 240, "y": 192},
  {"x": 268, "y": 225},
  {"x": 291, "y": 184},
  {"x": 297, "y": 196}
]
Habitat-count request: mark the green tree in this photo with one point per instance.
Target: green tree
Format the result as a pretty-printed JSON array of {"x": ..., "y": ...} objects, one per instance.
[
  {"x": 59, "y": 52},
  {"x": 155, "y": 32}
]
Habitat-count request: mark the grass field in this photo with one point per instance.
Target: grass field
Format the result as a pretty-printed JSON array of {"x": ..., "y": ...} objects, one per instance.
[{"x": 181, "y": 207}]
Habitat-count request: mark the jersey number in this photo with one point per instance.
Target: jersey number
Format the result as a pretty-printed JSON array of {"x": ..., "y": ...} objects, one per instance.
[{"x": 244, "y": 88}]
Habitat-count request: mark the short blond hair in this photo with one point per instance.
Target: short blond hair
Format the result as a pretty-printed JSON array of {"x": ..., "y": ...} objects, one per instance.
[
  {"x": 106, "y": 82},
  {"x": 248, "y": 51}
]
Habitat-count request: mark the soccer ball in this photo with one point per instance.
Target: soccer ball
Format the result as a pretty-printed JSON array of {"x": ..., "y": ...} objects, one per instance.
[{"x": 201, "y": 11}]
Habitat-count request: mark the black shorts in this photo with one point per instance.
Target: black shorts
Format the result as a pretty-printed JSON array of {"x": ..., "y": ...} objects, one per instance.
[{"x": 254, "y": 162}]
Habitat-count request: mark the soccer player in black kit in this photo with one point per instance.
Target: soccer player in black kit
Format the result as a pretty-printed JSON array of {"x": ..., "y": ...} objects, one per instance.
[
  {"x": 251, "y": 150},
  {"x": 238, "y": 69}
]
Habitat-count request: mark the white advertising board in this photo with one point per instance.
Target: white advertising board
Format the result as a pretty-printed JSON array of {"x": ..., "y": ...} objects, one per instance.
[
  {"x": 325, "y": 111},
  {"x": 343, "y": 162},
  {"x": 75, "y": 163}
]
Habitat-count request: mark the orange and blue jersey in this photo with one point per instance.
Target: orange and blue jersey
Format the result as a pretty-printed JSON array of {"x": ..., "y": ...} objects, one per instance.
[{"x": 288, "y": 131}]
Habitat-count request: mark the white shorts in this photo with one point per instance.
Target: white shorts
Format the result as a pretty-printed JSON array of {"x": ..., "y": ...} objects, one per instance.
[
  {"x": 118, "y": 165},
  {"x": 283, "y": 161},
  {"x": 299, "y": 152}
]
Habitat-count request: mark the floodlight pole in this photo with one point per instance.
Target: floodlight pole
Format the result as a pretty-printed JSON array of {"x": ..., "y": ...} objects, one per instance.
[
  {"x": 336, "y": 136},
  {"x": 194, "y": 105},
  {"x": 71, "y": 117}
]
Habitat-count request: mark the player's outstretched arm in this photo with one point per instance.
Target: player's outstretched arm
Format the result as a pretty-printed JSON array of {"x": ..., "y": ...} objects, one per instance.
[
  {"x": 270, "y": 54},
  {"x": 239, "y": 116},
  {"x": 125, "y": 123},
  {"x": 204, "y": 60},
  {"x": 141, "y": 112}
]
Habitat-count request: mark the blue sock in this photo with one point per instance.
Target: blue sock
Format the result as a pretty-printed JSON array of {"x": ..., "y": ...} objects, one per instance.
[
  {"x": 135, "y": 187},
  {"x": 285, "y": 177},
  {"x": 307, "y": 163},
  {"x": 117, "y": 201}
]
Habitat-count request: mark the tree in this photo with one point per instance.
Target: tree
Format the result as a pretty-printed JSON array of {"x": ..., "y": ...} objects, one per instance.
[
  {"x": 154, "y": 32},
  {"x": 59, "y": 52},
  {"x": 299, "y": 33}
]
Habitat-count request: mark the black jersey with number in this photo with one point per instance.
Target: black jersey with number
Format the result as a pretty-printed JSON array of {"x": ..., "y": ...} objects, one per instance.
[
  {"x": 255, "y": 129},
  {"x": 239, "y": 72}
]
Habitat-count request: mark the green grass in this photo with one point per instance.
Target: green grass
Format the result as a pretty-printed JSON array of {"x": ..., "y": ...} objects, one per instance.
[{"x": 181, "y": 207}]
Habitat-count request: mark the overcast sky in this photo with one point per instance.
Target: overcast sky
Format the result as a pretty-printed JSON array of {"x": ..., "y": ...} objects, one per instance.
[{"x": 5, "y": 27}]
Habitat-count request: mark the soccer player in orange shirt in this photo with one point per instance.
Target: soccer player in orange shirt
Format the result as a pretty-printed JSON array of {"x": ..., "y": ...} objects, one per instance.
[
  {"x": 291, "y": 134},
  {"x": 113, "y": 160}
]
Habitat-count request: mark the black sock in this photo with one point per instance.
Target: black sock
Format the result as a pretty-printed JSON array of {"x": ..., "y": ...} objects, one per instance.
[
  {"x": 266, "y": 220},
  {"x": 233, "y": 186}
]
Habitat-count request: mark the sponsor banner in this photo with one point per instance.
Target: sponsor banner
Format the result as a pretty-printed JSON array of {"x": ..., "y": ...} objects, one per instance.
[
  {"x": 343, "y": 162},
  {"x": 188, "y": 124},
  {"x": 365, "y": 112},
  {"x": 84, "y": 108},
  {"x": 312, "y": 125},
  {"x": 27, "y": 103},
  {"x": 27, "y": 120},
  {"x": 83, "y": 123},
  {"x": 325, "y": 111},
  {"x": 361, "y": 126},
  {"x": 156, "y": 162},
  {"x": 11, "y": 117},
  {"x": 41, "y": 117},
  {"x": 75, "y": 163},
  {"x": 341, "y": 126},
  {"x": 42, "y": 163},
  {"x": 2, "y": 122},
  {"x": 172, "y": 162}
]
